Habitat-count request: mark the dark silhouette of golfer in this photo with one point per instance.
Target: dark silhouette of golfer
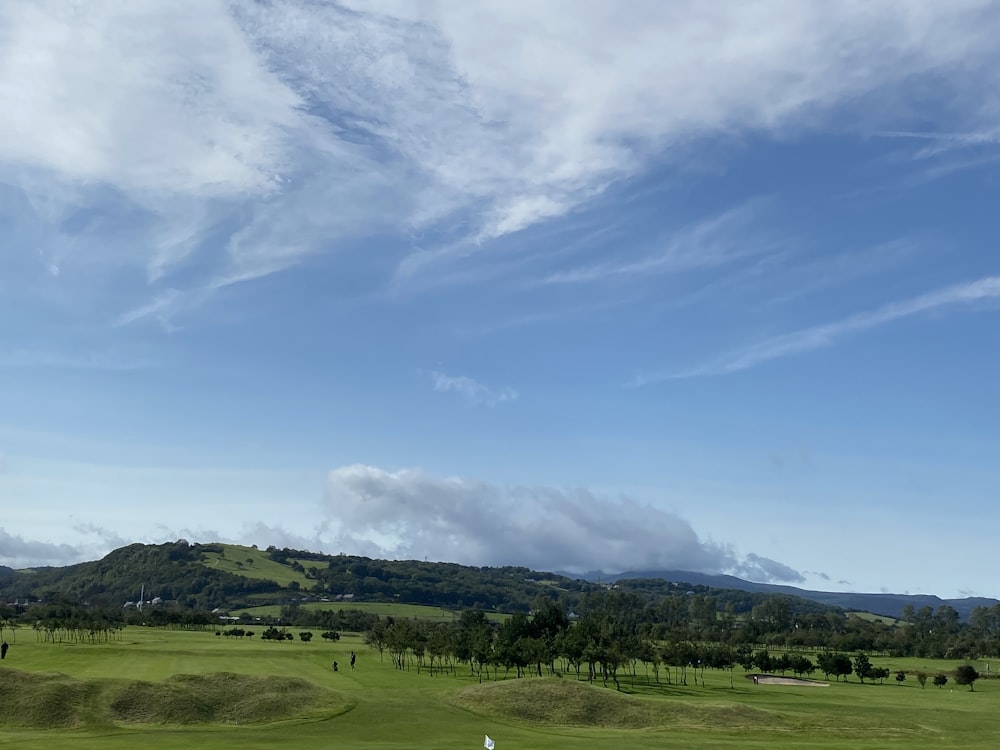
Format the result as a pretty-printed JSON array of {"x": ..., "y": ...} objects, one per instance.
[
  {"x": 335, "y": 666},
  {"x": 3, "y": 650},
  {"x": 354, "y": 658}
]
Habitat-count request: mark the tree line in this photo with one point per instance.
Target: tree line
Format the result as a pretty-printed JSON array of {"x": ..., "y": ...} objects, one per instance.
[{"x": 613, "y": 639}]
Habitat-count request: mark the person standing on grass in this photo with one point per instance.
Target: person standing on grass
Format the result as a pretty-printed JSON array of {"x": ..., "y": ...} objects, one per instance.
[
  {"x": 3, "y": 650},
  {"x": 354, "y": 658}
]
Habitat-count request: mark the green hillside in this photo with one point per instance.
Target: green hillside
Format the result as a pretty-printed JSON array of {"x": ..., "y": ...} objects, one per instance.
[
  {"x": 249, "y": 562},
  {"x": 194, "y": 585}
]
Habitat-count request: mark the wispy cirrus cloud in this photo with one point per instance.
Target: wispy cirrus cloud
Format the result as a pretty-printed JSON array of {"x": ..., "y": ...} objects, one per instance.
[
  {"x": 709, "y": 243},
  {"x": 470, "y": 390},
  {"x": 822, "y": 336},
  {"x": 941, "y": 154},
  {"x": 941, "y": 142},
  {"x": 158, "y": 308},
  {"x": 86, "y": 360},
  {"x": 202, "y": 144}
]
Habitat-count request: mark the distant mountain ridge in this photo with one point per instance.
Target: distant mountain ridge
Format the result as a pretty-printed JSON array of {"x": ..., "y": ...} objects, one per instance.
[{"x": 890, "y": 605}]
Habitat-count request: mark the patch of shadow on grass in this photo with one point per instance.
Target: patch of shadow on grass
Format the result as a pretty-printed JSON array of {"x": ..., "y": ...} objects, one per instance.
[
  {"x": 570, "y": 703},
  {"x": 545, "y": 701}
]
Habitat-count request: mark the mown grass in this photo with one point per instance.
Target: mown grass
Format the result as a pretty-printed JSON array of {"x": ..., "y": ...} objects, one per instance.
[
  {"x": 393, "y": 709},
  {"x": 564, "y": 702}
]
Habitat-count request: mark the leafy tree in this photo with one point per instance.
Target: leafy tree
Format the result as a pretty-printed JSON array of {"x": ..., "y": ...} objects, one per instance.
[
  {"x": 966, "y": 675},
  {"x": 783, "y": 663},
  {"x": 802, "y": 665},
  {"x": 572, "y": 645},
  {"x": 862, "y": 666},
  {"x": 744, "y": 657},
  {"x": 273, "y": 634},
  {"x": 842, "y": 666},
  {"x": 940, "y": 680},
  {"x": 377, "y": 637},
  {"x": 332, "y": 635},
  {"x": 764, "y": 661},
  {"x": 825, "y": 662},
  {"x": 901, "y": 677},
  {"x": 922, "y": 679},
  {"x": 306, "y": 636}
]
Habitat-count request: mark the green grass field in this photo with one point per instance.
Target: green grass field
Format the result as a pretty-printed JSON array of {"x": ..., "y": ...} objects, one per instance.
[{"x": 378, "y": 707}]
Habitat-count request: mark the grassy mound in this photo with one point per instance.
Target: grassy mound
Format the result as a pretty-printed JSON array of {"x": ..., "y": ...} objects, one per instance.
[
  {"x": 42, "y": 700},
  {"x": 49, "y": 701},
  {"x": 572, "y": 703}
]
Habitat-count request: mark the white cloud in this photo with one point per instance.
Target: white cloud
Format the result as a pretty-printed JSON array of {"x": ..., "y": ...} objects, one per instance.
[
  {"x": 147, "y": 97},
  {"x": 819, "y": 337},
  {"x": 18, "y": 552},
  {"x": 942, "y": 142},
  {"x": 586, "y": 101},
  {"x": 472, "y": 391},
  {"x": 238, "y": 140},
  {"x": 410, "y": 514},
  {"x": 712, "y": 242},
  {"x": 159, "y": 308},
  {"x": 757, "y": 568}
]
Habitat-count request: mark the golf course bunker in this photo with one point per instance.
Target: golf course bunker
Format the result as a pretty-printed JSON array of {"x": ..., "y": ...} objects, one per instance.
[
  {"x": 566, "y": 702},
  {"x": 53, "y": 700},
  {"x": 771, "y": 679}
]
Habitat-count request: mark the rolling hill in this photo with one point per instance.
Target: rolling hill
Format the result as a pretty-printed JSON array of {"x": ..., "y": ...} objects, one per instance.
[
  {"x": 209, "y": 576},
  {"x": 891, "y": 605}
]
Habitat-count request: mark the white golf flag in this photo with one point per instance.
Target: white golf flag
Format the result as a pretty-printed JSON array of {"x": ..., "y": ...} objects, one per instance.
[{"x": 489, "y": 743}]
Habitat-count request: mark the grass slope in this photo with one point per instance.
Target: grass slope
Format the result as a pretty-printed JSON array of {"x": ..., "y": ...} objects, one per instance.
[
  {"x": 54, "y": 700},
  {"x": 565, "y": 702}
]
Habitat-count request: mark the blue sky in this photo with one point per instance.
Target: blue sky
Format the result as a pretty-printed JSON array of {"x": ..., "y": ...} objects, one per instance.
[{"x": 568, "y": 285}]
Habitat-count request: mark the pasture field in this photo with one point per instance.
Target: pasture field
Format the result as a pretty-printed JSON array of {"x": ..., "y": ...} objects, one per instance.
[
  {"x": 378, "y": 707},
  {"x": 256, "y": 564},
  {"x": 885, "y": 620}
]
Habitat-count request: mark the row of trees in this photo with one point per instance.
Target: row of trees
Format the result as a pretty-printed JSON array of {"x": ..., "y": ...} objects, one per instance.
[
  {"x": 62, "y": 624},
  {"x": 609, "y": 639},
  {"x": 778, "y": 622}
]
